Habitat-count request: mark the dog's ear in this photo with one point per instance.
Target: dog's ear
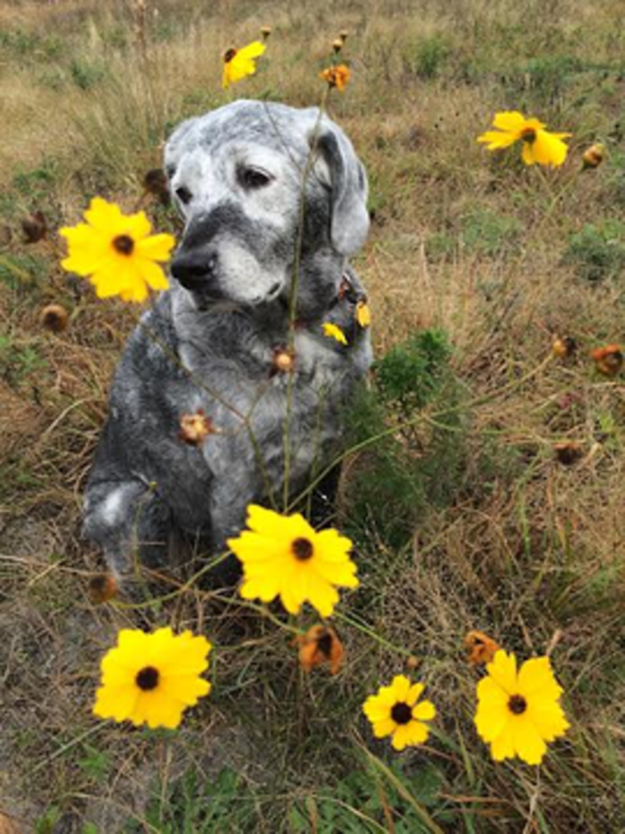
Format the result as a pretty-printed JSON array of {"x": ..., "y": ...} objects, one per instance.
[{"x": 350, "y": 218}]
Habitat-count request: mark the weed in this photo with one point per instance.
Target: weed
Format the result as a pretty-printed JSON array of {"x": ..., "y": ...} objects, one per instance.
[
  {"x": 598, "y": 250},
  {"x": 427, "y": 57},
  {"x": 490, "y": 232}
]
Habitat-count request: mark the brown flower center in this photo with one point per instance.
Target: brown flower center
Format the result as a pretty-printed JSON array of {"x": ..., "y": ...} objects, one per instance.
[
  {"x": 229, "y": 55},
  {"x": 124, "y": 244},
  {"x": 147, "y": 678},
  {"x": 528, "y": 135},
  {"x": 517, "y": 704},
  {"x": 401, "y": 713},
  {"x": 302, "y": 549},
  {"x": 324, "y": 644}
]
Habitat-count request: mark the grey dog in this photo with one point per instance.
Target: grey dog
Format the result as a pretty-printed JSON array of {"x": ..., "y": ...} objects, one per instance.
[{"x": 252, "y": 221}]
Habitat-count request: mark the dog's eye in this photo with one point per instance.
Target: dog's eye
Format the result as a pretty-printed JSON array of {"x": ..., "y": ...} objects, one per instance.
[
  {"x": 253, "y": 178},
  {"x": 183, "y": 194}
]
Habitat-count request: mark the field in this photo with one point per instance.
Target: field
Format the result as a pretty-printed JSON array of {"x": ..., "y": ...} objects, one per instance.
[{"x": 494, "y": 501}]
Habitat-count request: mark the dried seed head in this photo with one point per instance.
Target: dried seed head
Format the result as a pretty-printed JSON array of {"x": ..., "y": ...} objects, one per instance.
[
  {"x": 102, "y": 588},
  {"x": 35, "y": 227},
  {"x": 593, "y": 156},
  {"x": 283, "y": 360},
  {"x": 54, "y": 317},
  {"x": 337, "y": 45},
  {"x": 195, "y": 428},
  {"x": 568, "y": 452},
  {"x": 343, "y": 35},
  {"x": 155, "y": 182},
  {"x": 265, "y": 32}
]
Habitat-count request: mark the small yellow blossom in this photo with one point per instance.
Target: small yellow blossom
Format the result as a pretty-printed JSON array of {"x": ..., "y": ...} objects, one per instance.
[
  {"x": 239, "y": 63},
  {"x": 333, "y": 331},
  {"x": 395, "y": 712},
  {"x": 539, "y": 145},
  {"x": 117, "y": 252},
  {"x": 284, "y": 556},
  {"x": 518, "y": 712},
  {"x": 152, "y": 678},
  {"x": 363, "y": 314},
  {"x": 336, "y": 76}
]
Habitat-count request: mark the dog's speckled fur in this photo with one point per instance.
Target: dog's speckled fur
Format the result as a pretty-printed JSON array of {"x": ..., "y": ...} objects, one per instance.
[{"x": 147, "y": 488}]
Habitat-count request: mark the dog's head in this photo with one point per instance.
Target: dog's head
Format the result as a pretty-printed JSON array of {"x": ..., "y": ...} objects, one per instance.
[{"x": 237, "y": 177}]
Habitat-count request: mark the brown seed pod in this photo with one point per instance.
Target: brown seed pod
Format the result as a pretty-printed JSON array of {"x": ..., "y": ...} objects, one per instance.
[
  {"x": 568, "y": 452},
  {"x": 35, "y": 227},
  {"x": 283, "y": 360},
  {"x": 102, "y": 588},
  {"x": 265, "y": 32},
  {"x": 54, "y": 318}
]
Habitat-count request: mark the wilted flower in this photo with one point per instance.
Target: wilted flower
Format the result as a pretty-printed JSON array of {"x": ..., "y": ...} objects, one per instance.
[
  {"x": 480, "y": 648},
  {"x": 195, "y": 428},
  {"x": 239, "y": 63},
  {"x": 155, "y": 182},
  {"x": 117, "y": 253},
  {"x": 336, "y": 76},
  {"x": 320, "y": 645},
  {"x": 265, "y": 32},
  {"x": 608, "y": 360},
  {"x": 564, "y": 346},
  {"x": 568, "y": 452},
  {"x": 395, "y": 712},
  {"x": 102, "y": 588},
  {"x": 517, "y": 713},
  {"x": 333, "y": 331},
  {"x": 539, "y": 145},
  {"x": 284, "y": 556},
  {"x": 152, "y": 678},
  {"x": 35, "y": 227},
  {"x": 593, "y": 156},
  {"x": 54, "y": 317}
]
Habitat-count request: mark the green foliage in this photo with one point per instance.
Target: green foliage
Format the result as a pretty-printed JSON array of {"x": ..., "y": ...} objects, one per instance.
[
  {"x": 30, "y": 45},
  {"x": 404, "y": 473},
  {"x": 367, "y": 801},
  {"x": 95, "y": 763},
  {"x": 427, "y": 58},
  {"x": 47, "y": 823},
  {"x": 85, "y": 74},
  {"x": 190, "y": 805},
  {"x": 598, "y": 250},
  {"x": 19, "y": 271},
  {"x": 490, "y": 232},
  {"x": 17, "y": 362},
  {"x": 37, "y": 182},
  {"x": 411, "y": 373}
]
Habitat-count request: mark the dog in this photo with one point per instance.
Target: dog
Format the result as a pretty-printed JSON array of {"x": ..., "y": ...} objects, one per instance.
[{"x": 263, "y": 229}]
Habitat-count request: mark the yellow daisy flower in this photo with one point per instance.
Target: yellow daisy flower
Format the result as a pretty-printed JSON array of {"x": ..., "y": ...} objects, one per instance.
[
  {"x": 152, "y": 678},
  {"x": 284, "y": 556},
  {"x": 539, "y": 145},
  {"x": 517, "y": 713},
  {"x": 333, "y": 331},
  {"x": 239, "y": 63},
  {"x": 116, "y": 252},
  {"x": 395, "y": 712}
]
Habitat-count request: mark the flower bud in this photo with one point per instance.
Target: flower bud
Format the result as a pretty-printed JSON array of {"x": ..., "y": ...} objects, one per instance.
[{"x": 593, "y": 156}]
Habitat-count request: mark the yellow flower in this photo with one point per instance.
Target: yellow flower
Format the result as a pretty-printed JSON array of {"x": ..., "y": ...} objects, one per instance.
[
  {"x": 539, "y": 145},
  {"x": 517, "y": 713},
  {"x": 152, "y": 678},
  {"x": 394, "y": 712},
  {"x": 284, "y": 556},
  {"x": 116, "y": 252},
  {"x": 333, "y": 331},
  {"x": 363, "y": 314},
  {"x": 239, "y": 63}
]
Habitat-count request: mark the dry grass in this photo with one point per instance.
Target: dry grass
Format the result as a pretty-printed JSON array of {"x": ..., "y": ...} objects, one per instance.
[{"x": 523, "y": 547}]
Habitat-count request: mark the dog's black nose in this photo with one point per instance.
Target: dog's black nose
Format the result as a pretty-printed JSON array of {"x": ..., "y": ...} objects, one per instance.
[{"x": 193, "y": 269}]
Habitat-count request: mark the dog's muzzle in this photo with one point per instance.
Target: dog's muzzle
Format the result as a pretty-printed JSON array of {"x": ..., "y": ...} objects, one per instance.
[{"x": 194, "y": 269}]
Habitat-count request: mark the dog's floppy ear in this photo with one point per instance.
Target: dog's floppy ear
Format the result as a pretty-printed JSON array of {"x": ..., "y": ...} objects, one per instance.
[{"x": 350, "y": 218}]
